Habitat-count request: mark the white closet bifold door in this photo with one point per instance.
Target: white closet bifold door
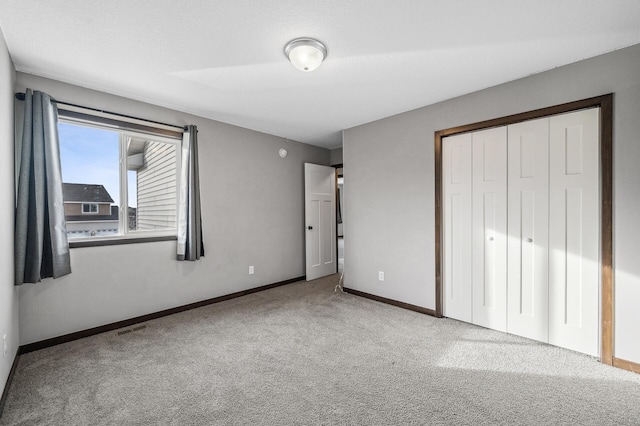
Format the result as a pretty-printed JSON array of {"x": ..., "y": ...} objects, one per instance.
[
  {"x": 456, "y": 179},
  {"x": 490, "y": 228},
  {"x": 528, "y": 244},
  {"x": 574, "y": 231}
]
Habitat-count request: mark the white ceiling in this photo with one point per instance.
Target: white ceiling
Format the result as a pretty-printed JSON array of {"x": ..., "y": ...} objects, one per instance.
[{"x": 224, "y": 59}]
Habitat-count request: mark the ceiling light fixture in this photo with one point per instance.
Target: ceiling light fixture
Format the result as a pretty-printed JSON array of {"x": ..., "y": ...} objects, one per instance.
[{"x": 306, "y": 54}]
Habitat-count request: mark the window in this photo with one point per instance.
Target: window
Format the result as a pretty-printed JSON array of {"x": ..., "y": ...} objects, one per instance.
[
  {"x": 119, "y": 183},
  {"x": 88, "y": 208}
]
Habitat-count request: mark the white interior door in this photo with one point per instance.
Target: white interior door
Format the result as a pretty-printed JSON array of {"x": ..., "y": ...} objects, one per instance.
[
  {"x": 320, "y": 220},
  {"x": 490, "y": 228},
  {"x": 574, "y": 278},
  {"x": 457, "y": 189},
  {"x": 528, "y": 243}
]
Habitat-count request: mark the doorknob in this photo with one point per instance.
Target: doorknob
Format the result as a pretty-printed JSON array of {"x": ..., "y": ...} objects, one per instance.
[{"x": 309, "y": 227}]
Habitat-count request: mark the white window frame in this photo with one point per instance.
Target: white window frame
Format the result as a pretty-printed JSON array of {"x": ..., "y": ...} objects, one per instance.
[
  {"x": 124, "y": 234},
  {"x": 124, "y": 184}
]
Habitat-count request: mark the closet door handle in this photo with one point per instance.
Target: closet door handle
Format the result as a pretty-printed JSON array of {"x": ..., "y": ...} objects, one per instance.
[
  {"x": 490, "y": 238},
  {"x": 529, "y": 240}
]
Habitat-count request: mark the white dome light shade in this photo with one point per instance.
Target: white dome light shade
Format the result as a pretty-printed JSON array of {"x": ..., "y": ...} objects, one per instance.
[
  {"x": 306, "y": 54},
  {"x": 306, "y": 58}
]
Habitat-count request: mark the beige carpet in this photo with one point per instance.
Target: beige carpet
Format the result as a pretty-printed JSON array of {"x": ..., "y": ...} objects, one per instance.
[{"x": 303, "y": 355}]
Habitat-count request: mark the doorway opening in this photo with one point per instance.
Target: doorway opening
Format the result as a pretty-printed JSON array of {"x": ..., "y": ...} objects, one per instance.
[{"x": 339, "y": 216}]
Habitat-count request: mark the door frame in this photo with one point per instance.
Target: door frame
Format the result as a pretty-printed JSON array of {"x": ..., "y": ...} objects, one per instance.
[
  {"x": 605, "y": 103},
  {"x": 337, "y": 166}
]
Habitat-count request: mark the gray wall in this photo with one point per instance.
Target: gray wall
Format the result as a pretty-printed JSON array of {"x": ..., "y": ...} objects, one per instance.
[
  {"x": 389, "y": 196},
  {"x": 336, "y": 156},
  {"x": 253, "y": 213},
  {"x": 8, "y": 292}
]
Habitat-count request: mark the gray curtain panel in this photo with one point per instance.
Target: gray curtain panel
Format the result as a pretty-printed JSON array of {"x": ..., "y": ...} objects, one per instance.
[
  {"x": 41, "y": 247},
  {"x": 190, "y": 245}
]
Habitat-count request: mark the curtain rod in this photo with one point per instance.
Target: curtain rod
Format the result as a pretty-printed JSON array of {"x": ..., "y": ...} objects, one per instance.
[{"x": 21, "y": 96}]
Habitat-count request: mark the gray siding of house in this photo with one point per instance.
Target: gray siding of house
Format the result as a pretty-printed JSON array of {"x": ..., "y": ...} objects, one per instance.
[
  {"x": 157, "y": 187},
  {"x": 72, "y": 209}
]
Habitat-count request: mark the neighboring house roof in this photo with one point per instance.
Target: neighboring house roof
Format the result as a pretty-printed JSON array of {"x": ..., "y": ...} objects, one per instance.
[{"x": 85, "y": 193}]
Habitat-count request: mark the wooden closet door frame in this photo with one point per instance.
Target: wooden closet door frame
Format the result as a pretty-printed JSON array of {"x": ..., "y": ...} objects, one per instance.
[{"x": 605, "y": 103}]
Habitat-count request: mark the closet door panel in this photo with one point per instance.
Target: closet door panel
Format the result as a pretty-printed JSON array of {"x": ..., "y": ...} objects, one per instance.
[
  {"x": 457, "y": 176},
  {"x": 490, "y": 228},
  {"x": 574, "y": 278},
  {"x": 528, "y": 213}
]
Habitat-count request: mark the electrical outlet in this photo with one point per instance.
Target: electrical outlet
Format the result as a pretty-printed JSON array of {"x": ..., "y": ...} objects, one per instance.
[
  {"x": 380, "y": 276},
  {"x": 4, "y": 346},
  {"x": 251, "y": 270}
]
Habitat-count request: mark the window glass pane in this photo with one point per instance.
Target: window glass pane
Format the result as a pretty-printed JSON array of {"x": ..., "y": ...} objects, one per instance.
[
  {"x": 152, "y": 185},
  {"x": 132, "y": 191},
  {"x": 99, "y": 165},
  {"x": 91, "y": 176},
  {"x": 89, "y": 208}
]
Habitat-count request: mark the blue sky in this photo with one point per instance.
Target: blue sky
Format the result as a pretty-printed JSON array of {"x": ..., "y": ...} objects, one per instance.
[{"x": 90, "y": 156}]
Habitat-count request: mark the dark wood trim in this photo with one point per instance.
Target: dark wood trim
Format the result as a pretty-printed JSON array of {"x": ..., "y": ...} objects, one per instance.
[
  {"x": 594, "y": 102},
  {"x": 605, "y": 103},
  {"x": 338, "y": 166},
  {"x": 438, "y": 216},
  {"x": 117, "y": 242},
  {"x": 335, "y": 215},
  {"x": 392, "y": 302},
  {"x": 76, "y": 117},
  {"x": 143, "y": 318},
  {"x": 12, "y": 372},
  {"x": 626, "y": 365},
  {"x": 606, "y": 228}
]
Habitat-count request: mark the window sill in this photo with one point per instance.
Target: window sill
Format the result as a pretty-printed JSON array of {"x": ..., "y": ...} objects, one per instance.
[{"x": 97, "y": 241}]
